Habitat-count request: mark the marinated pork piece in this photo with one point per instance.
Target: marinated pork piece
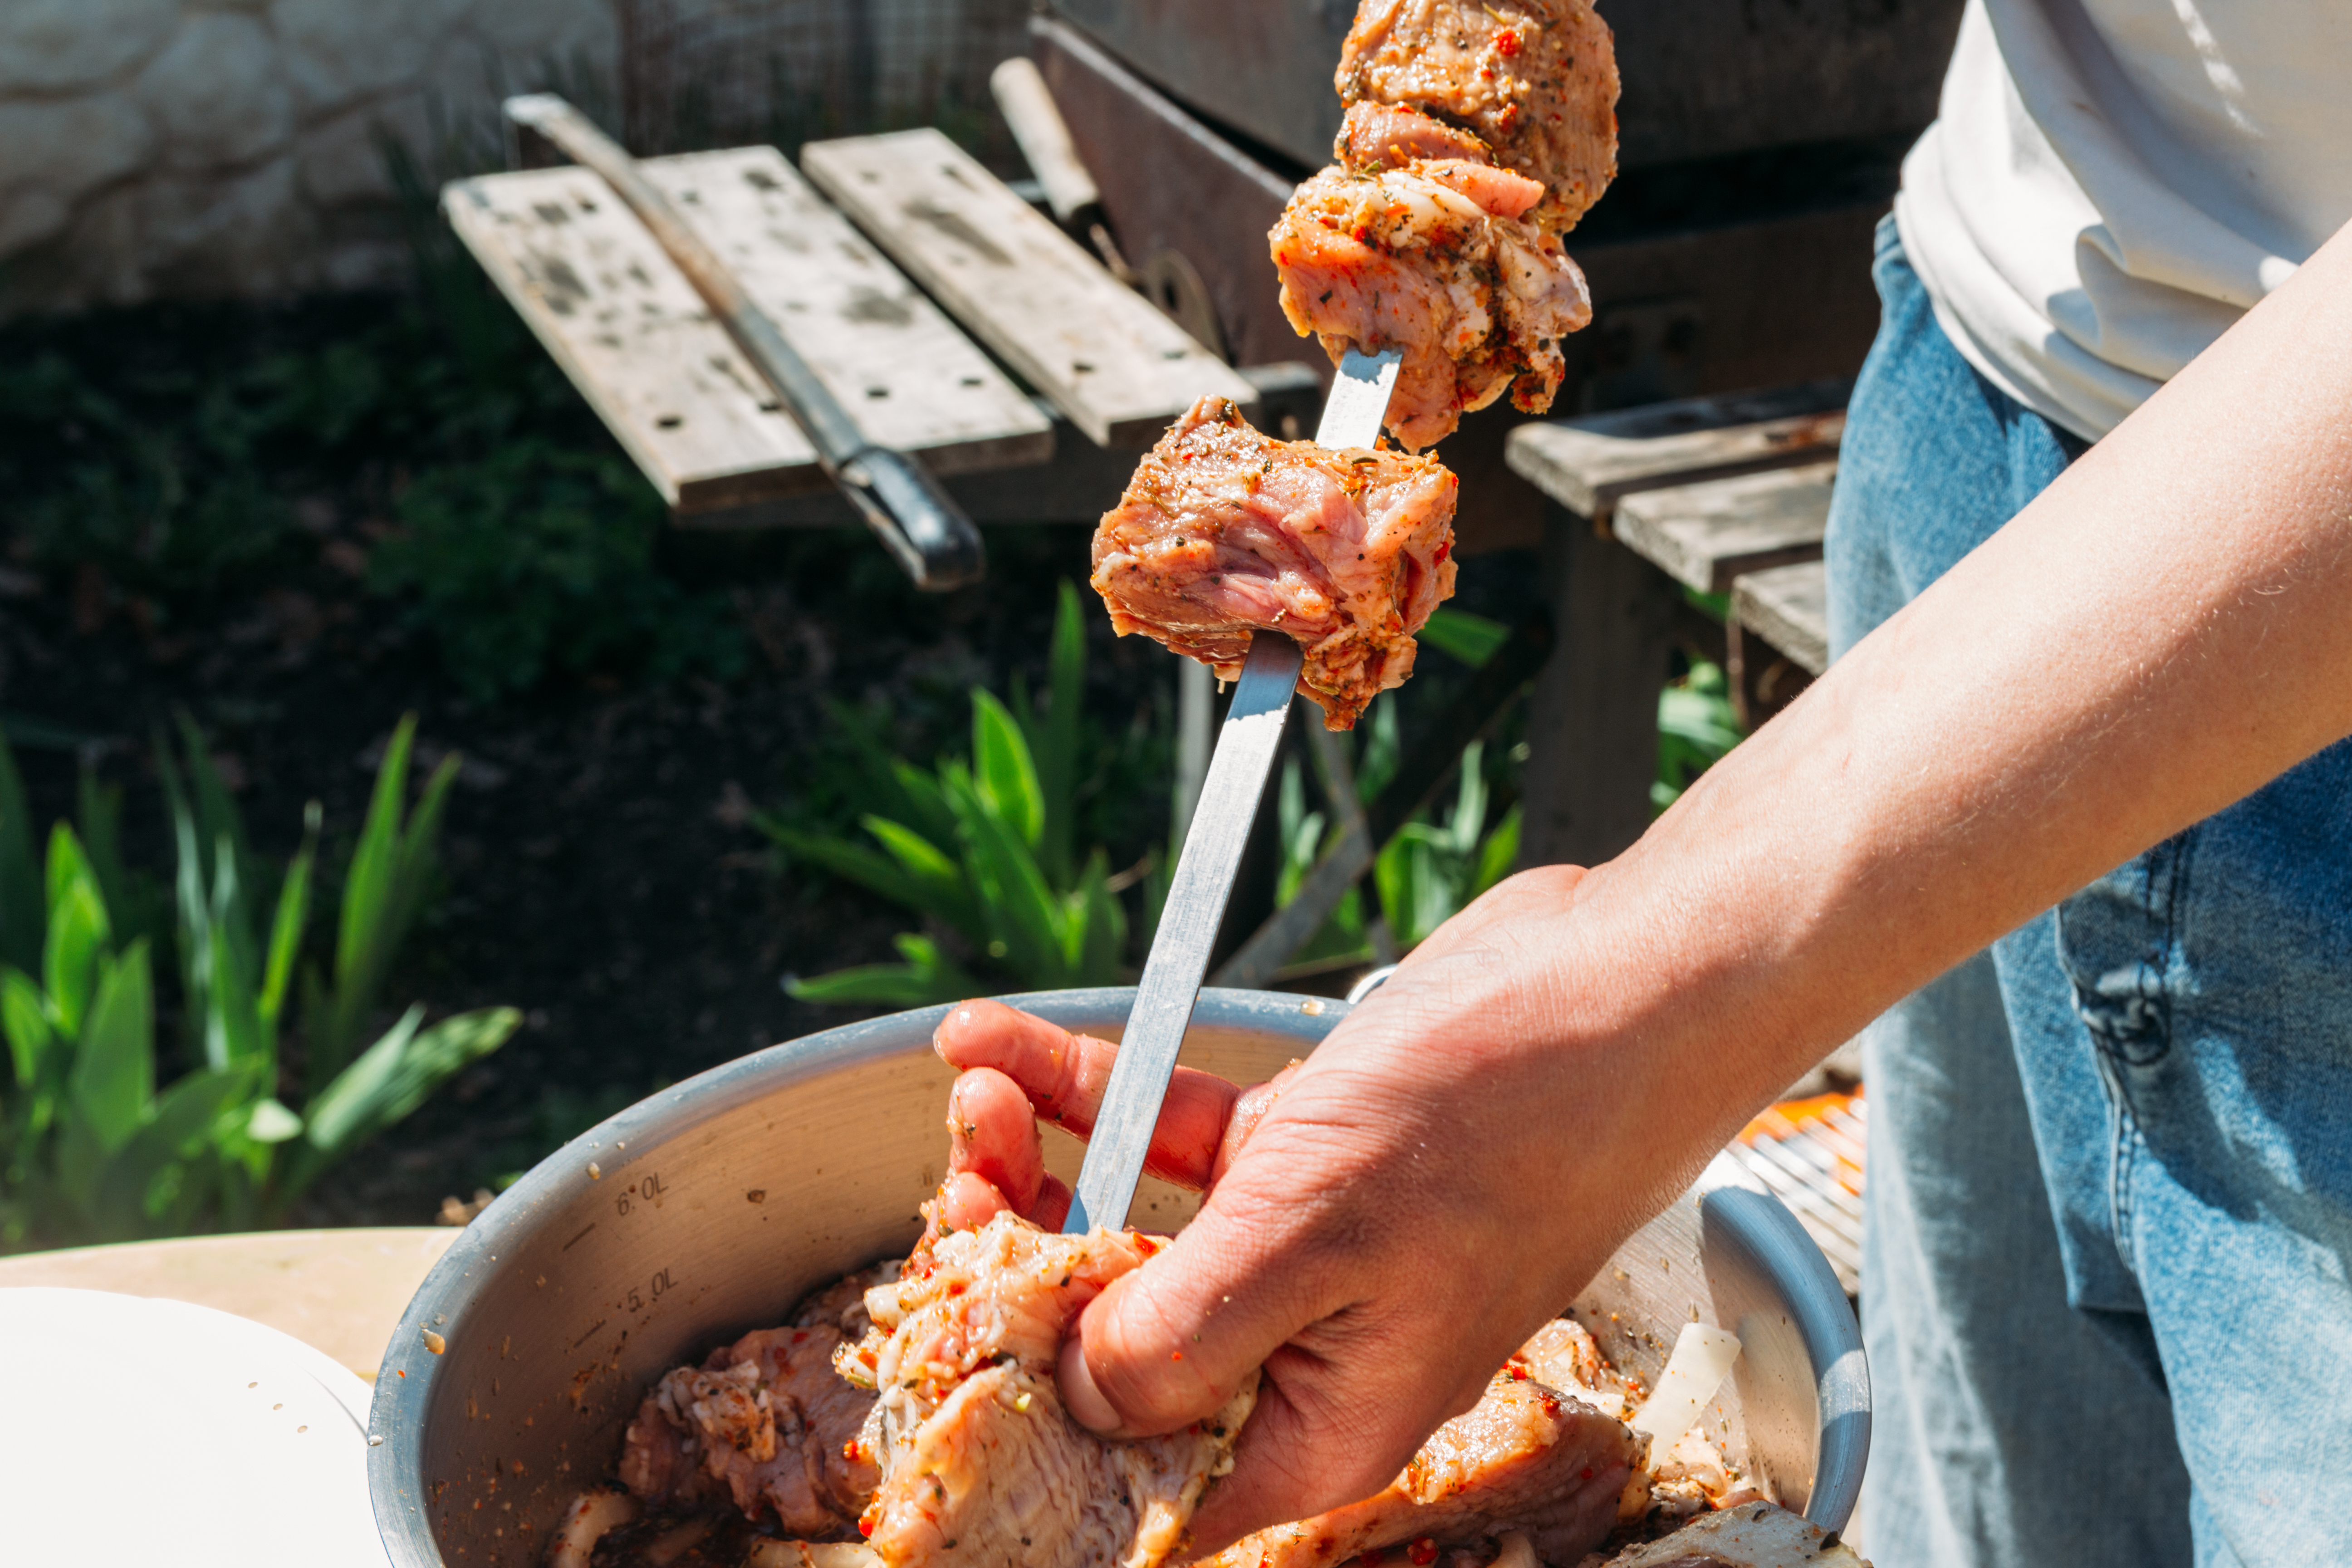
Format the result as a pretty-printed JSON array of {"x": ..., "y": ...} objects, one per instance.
[
  {"x": 1529, "y": 1456},
  {"x": 765, "y": 1423},
  {"x": 1753, "y": 1535},
  {"x": 1224, "y": 531},
  {"x": 981, "y": 1466},
  {"x": 1375, "y": 139},
  {"x": 1432, "y": 258},
  {"x": 1376, "y": 136},
  {"x": 1536, "y": 79}
]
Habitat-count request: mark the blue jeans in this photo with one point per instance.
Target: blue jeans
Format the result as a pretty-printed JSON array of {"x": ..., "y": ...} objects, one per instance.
[{"x": 2107, "y": 1278}]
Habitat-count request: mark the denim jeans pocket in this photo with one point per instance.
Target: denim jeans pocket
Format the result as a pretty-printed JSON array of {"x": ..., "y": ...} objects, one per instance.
[{"x": 2119, "y": 939}]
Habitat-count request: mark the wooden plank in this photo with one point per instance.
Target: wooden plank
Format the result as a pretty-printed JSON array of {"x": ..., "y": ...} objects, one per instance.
[
  {"x": 639, "y": 344},
  {"x": 1589, "y": 465},
  {"x": 1789, "y": 607},
  {"x": 1706, "y": 534},
  {"x": 1117, "y": 368}
]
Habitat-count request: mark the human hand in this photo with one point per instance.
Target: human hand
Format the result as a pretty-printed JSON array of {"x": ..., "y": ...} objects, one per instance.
[{"x": 1385, "y": 1222}]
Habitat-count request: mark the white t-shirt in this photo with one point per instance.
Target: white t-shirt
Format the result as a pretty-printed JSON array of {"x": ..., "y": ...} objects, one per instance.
[{"x": 2110, "y": 184}]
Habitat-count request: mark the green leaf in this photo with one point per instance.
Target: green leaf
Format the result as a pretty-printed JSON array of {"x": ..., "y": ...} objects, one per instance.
[
  {"x": 285, "y": 926},
  {"x": 23, "y": 910},
  {"x": 112, "y": 1081},
  {"x": 174, "y": 1130},
  {"x": 271, "y": 1122},
  {"x": 219, "y": 828},
  {"x": 853, "y": 862},
  {"x": 1058, "y": 750},
  {"x": 233, "y": 1030},
  {"x": 926, "y": 979},
  {"x": 1473, "y": 639},
  {"x": 78, "y": 931},
  {"x": 390, "y": 873},
  {"x": 1469, "y": 802},
  {"x": 1498, "y": 854},
  {"x": 1103, "y": 924},
  {"x": 1020, "y": 910},
  {"x": 947, "y": 895},
  {"x": 926, "y": 806},
  {"x": 25, "y": 1018},
  {"x": 1002, "y": 773},
  {"x": 1382, "y": 749},
  {"x": 393, "y": 1078}
]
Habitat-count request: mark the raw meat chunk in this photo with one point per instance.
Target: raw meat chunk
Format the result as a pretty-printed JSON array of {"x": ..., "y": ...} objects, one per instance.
[
  {"x": 1529, "y": 1457},
  {"x": 1478, "y": 296},
  {"x": 765, "y": 1423},
  {"x": 1375, "y": 139},
  {"x": 1224, "y": 531},
  {"x": 981, "y": 1466},
  {"x": 1376, "y": 136},
  {"x": 1536, "y": 79},
  {"x": 1753, "y": 1535}
]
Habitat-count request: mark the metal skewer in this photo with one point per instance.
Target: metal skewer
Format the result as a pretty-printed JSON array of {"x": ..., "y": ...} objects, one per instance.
[
  {"x": 1247, "y": 748},
  {"x": 916, "y": 519}
]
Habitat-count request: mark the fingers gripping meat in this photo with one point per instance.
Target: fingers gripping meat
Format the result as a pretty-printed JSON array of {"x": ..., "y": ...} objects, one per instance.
[
  {"x": 1431, "y": 258},
  {"x": 1534, "y": 80},
  {"x": 1224, "y": 531},
  {"x": 981, "y": 1466}
]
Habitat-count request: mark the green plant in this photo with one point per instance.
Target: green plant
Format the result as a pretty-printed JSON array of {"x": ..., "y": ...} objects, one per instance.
[
  {"x": 1422, "y": 877},
  {"x": 984, "y": 849},
  {"x": 539, "y": 557},
  {"x": 93, "y": 1151},
  {"x": 1696, "y": 725}
]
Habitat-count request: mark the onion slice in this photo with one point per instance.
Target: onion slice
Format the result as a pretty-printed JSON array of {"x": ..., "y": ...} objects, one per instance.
[{"x": 1702, "y": 1359}]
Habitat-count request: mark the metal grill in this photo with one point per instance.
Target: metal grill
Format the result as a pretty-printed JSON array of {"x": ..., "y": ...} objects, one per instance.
[
  {"x": 699, "y": 74},
  {"x": 1809, "y": 1154}
]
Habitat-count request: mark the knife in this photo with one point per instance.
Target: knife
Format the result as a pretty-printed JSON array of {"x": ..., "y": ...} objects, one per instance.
[{"x": 1247, "y": 748}]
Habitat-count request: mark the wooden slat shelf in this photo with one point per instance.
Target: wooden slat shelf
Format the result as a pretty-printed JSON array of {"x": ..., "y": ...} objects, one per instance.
[
  {"x": 1590, "y": 464},
  {"x": 638, "y": 341},
  {"x": 1706, "y": 534},
  {"x": 1117, "y": 368},
  {"x": 1788, "y": 607}
]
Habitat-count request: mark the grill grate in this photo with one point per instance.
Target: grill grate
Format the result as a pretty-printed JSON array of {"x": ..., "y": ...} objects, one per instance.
[{"x": 1809, "y": 1154}]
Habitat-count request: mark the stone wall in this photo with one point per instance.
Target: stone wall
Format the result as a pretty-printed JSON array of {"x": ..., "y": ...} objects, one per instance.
[{"x": 229, "y": 148}]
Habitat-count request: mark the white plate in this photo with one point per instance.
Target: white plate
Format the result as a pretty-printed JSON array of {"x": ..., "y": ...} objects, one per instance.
[{"x": 137, "y": 1431}]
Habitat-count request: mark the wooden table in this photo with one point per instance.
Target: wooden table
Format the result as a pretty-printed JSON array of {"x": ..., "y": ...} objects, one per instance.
[
  {"x": 1720, "y": 495},
  {"x": 834, "y": 253},
  {"x": 340, "y": 1292}
]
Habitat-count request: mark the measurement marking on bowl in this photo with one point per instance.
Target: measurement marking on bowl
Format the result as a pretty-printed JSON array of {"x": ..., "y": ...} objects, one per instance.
[
  {"x": 655, "y": 1287},
  {"x": 648, "y": 1190},
  {"x": 575, "y": 1240},
  {"x": 591, "y": 1334}
]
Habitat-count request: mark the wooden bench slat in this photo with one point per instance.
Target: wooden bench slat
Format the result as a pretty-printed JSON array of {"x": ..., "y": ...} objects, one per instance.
[
  {"x": 1590, "y": 464},
  {"x": 1788, "y": 607},
  {"x": 638, "y": 341},
  {"x": 1708, "y": 534},
  {"x": 1118, "y": 368}
]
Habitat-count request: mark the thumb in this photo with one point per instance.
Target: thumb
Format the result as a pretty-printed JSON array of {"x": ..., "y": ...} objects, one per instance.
[{"x": 1168, "y": 1343}]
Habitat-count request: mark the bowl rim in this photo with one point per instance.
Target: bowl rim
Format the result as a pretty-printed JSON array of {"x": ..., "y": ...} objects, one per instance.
[{"x": 1753, "y": 1221}]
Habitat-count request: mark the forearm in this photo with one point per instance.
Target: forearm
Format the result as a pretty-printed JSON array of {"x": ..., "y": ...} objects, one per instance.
[{"x": 2165, "y": 630}]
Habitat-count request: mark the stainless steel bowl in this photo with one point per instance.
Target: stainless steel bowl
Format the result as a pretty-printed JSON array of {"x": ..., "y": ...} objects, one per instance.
[{"x": 709, "y": 1208}]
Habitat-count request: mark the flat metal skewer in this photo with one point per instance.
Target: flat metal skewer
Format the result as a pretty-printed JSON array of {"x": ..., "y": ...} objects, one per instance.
[{"x": 1247, "y": 748}]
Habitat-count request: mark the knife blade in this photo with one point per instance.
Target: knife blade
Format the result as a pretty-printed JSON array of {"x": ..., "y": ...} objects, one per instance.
[{"x": 1247, "y": 746}]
